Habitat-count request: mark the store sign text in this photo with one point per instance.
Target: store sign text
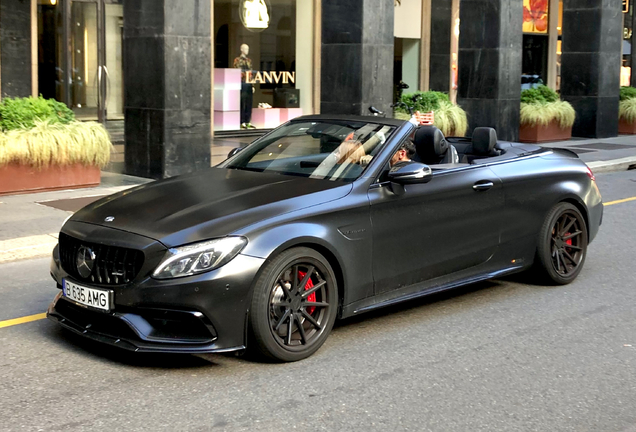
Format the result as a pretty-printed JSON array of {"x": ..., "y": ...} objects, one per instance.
[{"x": 270, "y": 77}]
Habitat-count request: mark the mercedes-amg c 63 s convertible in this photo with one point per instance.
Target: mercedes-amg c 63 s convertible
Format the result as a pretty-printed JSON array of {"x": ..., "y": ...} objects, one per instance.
[{"x": 325, "y": 217}]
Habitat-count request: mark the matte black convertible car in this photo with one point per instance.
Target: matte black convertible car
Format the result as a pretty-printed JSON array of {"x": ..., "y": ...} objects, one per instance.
[{"x": 314, "y": 222}]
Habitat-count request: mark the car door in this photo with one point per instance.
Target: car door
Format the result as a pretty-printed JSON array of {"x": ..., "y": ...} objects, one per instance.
[{"x": 434, "y": 229}]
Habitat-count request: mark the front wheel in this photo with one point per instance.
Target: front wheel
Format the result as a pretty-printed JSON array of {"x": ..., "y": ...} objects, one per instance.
[
  {"x": 562, "y": 244},
  {"x": 294, "y": 305}
]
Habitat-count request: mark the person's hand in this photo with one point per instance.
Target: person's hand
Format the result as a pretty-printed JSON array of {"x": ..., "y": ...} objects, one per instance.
[{"x": 365, "y": 160}]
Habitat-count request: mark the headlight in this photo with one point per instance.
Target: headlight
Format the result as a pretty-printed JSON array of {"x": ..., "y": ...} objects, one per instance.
[{"x": 198, "y": 257}]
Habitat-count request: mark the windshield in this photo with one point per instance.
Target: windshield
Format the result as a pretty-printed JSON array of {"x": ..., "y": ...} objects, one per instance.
[{"x": 331, "y": 150}]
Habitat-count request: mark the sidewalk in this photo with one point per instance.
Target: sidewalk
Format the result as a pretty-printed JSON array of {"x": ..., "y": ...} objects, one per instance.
[{"x": 29, "y": 223}]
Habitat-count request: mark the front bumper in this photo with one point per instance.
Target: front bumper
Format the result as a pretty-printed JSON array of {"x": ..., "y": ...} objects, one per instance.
[{"x": 195, "y": 314}]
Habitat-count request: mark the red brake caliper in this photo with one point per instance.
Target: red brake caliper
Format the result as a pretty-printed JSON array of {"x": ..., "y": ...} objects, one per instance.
[
  {"x": 311, "y": 297},
  {"x": 568, "y": 241}
]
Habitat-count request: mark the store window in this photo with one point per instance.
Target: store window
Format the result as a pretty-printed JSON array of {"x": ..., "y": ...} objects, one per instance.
[
  {"x": 535, "y": 43},
  {"x": 263, "y": 60},
  {"x": 80, "y": 56},
  {"x": 626, "y": 70}
]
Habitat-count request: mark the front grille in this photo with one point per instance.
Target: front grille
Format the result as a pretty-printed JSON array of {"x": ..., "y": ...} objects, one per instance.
[{"x": 113, "y": 265}]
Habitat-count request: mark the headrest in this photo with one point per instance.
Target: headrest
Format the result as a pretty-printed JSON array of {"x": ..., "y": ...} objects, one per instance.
[
  {"x": 430, "y": 142},
  {"x": 484, "y": 140}
]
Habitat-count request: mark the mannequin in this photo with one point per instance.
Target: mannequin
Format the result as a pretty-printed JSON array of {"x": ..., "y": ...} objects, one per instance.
[{"x": 244, "y": 63}]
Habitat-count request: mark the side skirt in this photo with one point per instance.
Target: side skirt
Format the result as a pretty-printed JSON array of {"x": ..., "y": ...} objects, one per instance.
[{"x": 420, "y": 290}]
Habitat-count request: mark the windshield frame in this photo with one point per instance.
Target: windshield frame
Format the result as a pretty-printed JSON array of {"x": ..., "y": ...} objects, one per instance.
[{"x": 376, "y": 135}]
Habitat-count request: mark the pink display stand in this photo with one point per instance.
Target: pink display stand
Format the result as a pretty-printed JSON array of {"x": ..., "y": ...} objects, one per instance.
[
  {"x": 229, "y": 79},
  {"x": 266, "y": 118},
  {"x": 227, "y": 120},
  {"x": 286, "y": 114},
  {"x": 227, "y": 100}
]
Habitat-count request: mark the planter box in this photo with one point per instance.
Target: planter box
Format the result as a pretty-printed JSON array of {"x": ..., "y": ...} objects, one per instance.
[
  {"x": 540, "y": 133},
  {"x": 23, "y": 178},
  {"x": 626, "y": 128}
]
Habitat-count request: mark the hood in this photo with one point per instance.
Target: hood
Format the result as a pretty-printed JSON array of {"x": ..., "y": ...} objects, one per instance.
[{"x": 211, "y": 203}]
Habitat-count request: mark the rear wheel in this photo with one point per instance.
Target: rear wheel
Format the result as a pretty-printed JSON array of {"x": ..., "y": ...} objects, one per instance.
[
  {"x": 562, "y": 244},
  {"x": 294, "y": 305}
]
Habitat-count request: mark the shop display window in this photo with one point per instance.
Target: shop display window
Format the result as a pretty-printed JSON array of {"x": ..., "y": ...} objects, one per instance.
[{"x": 263, "y": 60}]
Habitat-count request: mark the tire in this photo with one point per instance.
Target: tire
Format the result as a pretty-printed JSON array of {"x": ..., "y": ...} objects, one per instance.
[
  {"x": 288, "y": 323},
  {"x": 562, "y": 245}
]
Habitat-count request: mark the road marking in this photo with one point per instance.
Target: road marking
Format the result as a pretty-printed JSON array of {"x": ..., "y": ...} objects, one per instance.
[
  {"x": 619, "y": 201},
  {"x": 22, "y": 320}
]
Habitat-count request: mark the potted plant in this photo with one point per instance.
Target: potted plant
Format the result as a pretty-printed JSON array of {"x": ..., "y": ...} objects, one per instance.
[
  {"x": 43, "y": 147},
  {"x": 449, "y": 118},
  {"x": 627, "y": 111},
  {"x": 544, "y": 117}
]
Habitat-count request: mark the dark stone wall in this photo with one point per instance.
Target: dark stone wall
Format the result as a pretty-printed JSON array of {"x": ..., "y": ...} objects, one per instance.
[
  {"x": 357, "y": 56},
  {"x": 15, "y": 48},
  {"x": 490, "y": 42},
  {"x": 167, "y": 52},
  {"x": 440, "y": 60},
  {"x": 590, "y": 64}
]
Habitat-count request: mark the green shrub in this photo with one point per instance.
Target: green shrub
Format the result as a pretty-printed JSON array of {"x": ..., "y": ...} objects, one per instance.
[
  {"x": 539, "y": 94},
  {"x": 627, "y": 110},
  {"x": 422, "y": 101},
  {"x": 545, "y": 112},
  {"x": 628, "y": 93},
  {"x": 23, "y": 113},
  {"x": 55, "y": 143},
  {"x": 450, "y": 119}
]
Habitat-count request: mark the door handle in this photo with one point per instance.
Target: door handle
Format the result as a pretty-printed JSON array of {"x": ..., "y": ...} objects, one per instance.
[{"x": 483, "y": 185}]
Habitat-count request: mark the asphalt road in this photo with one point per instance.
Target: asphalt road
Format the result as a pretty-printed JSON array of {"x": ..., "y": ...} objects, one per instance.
[{"x": 503, "y": 355}]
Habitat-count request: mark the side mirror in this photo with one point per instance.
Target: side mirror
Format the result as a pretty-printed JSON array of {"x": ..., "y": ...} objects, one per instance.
[
  {"x": 234, "y": 151},
  {"x": 410, "y": 173}
]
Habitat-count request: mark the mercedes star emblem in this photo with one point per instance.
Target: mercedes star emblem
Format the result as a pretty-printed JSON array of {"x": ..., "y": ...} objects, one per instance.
[
  {"x": 109, "y": 219},
  {"x": 84, "y": 261}
]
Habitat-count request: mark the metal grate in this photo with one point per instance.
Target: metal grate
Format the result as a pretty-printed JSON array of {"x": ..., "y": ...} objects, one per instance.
[{"x": 113, "y": 265}]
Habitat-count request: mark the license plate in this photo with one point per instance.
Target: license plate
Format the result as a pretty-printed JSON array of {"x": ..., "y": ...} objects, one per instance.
[{"x": 92, "y": 297}]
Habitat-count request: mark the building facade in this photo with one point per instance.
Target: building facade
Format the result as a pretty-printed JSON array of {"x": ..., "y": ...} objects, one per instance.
[{"x": 180, "y": 72}]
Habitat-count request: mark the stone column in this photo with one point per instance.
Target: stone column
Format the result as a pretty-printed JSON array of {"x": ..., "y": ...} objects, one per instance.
[
  {"x": 590, "y": 64},
  {"x": 357, "y": 56},
  {"x": 490, "y": 41},
  {"x": 15, "y": 48},
  {"x": 441, "y": 27},
  {"x": 167, "y": 78}
]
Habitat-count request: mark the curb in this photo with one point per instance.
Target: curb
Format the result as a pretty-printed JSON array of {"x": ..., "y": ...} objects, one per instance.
[
  {"x": 22, "y": 248},
  {"x": 612, "y": 165}
]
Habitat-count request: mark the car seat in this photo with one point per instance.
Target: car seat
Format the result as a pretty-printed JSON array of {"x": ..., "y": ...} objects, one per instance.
[
  {"x": 483, "y": 145},
  {"x": 432, "y": 148}
]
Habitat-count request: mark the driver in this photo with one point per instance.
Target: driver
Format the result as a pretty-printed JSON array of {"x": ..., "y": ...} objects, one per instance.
[{"x": 403, "y": 154}]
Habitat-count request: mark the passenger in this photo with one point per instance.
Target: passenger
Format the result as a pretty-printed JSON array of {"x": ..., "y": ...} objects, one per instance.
[
  {"x": 404, "y": 153},
  {"x": 349, "y": 151}
]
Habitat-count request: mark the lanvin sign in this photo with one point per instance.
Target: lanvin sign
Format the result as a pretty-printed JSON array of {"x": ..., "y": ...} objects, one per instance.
[{"x": 270, "y": 77}]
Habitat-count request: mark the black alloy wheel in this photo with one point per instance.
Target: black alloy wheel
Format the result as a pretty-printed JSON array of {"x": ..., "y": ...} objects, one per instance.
[
  {"x": 294, "y": 305},
  {"x": 562, "y": 244}
]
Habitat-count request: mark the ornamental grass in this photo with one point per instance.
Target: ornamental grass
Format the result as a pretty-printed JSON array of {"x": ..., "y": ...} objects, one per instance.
[
  {"x": 627, "y": 110},
  {"x": 543, "y": 113},
  {"x": 449, "y": 118},
  {"x": 49, "y": 143}
]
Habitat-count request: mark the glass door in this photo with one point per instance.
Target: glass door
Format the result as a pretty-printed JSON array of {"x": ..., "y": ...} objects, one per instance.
[
  {"x": 113, "y": 60},
  {"x": 86, "y": 78},
  {"x": 95, "y": 69}
]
